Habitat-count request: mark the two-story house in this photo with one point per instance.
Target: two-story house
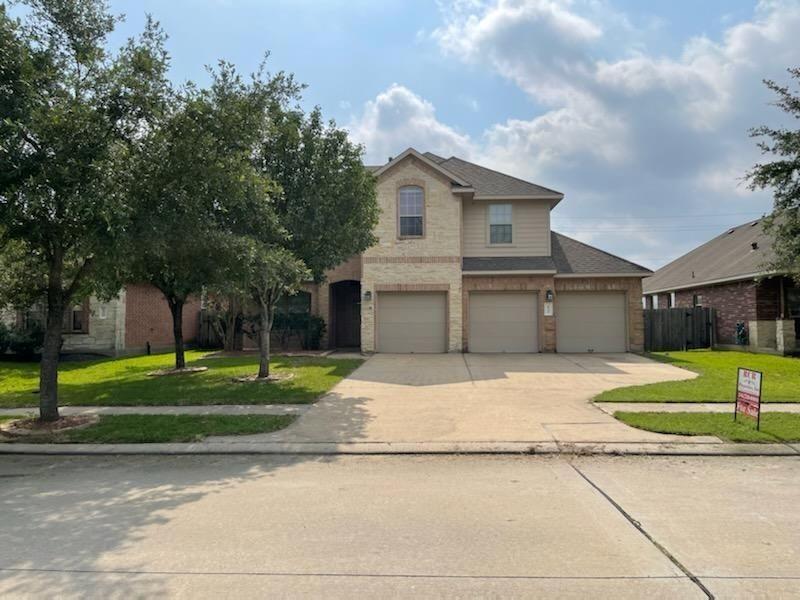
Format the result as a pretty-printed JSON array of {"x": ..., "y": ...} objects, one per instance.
[{"x": 466, "y": 261}]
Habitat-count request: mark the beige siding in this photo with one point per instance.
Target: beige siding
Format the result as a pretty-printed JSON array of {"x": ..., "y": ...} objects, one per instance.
[{"x": 531, "y": 229}]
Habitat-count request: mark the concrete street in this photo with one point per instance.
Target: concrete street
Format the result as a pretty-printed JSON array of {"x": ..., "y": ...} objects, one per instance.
[{"x": 397, "y": 527}]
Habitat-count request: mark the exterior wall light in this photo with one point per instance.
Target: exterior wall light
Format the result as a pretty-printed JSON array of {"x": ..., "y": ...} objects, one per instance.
[
  {"x": 548, "y": 296},
  {"x": 367, "y": 296}
]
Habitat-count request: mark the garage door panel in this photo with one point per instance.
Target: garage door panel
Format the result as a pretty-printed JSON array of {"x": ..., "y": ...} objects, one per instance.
[
  {"x": 412, "y": 322},
  {"x": 503, "y": 322},
  {"x": 591, "y": 322}
]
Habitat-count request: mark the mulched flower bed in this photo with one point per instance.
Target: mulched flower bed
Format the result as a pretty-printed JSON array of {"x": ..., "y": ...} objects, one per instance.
[
  {"x": 274, "y": 378},
  {"x": 33, "y": 426},
  {"x": 183, "y": 371}
]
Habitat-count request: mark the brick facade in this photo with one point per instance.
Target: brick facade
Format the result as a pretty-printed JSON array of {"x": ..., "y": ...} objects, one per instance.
[
  {"x": 733, "y": 302},
  {"x": 516, "y": 283},
  {"x": 148, "y": 319}
]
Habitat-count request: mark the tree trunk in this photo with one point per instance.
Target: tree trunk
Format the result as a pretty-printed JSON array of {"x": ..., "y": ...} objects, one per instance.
[
  {"x": 51, "y": 347},
  {"x": 176, "y": 308},
  {"x": 263, "y": 341},
  {"x": 232, "y": 324}
]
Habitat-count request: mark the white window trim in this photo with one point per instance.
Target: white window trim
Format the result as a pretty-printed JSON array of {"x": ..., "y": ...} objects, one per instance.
[
  {"x": 400, "y": 216},
  {"x": 489, "y": 226}
]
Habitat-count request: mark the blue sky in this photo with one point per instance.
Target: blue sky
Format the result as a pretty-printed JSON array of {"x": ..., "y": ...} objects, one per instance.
[{"x": 637, "y": 111}]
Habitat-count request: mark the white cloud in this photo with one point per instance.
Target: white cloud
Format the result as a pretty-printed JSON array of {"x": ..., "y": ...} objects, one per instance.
[
  {"x": 623, "y": 131},
  {"x": 398, "y": 118}
]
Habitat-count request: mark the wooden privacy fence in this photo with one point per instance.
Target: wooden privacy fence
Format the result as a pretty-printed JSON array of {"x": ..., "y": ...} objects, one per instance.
[{"x": 679, "y": 328}]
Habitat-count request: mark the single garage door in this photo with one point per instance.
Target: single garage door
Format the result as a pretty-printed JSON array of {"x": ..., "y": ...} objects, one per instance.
[
  {"x": 412, "y": 322},
  {"x": 503, "y": 322},
  {"x": 590, "y": 322}
]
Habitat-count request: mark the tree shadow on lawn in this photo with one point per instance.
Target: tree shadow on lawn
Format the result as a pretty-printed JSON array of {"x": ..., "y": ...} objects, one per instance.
[
  {"x": 110, "y": 527},
  {"x": 313, "y": 378}
]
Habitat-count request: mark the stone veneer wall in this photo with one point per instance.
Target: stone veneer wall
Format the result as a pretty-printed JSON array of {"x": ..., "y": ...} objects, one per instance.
[
  {"x": 412, "y": 277},
  {"x": 414, "y": 264},
  {"x": 105, "y": 320}
]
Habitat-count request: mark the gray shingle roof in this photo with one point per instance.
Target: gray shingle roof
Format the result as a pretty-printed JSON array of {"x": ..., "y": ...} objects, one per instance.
[
  {"x": 726, "y": 257},
  {"x": 508, "y": 263},
  {"x": 570, "y": 257},
  {"x": 575, "y": 258},
  {"x": 488, "y": 182}
]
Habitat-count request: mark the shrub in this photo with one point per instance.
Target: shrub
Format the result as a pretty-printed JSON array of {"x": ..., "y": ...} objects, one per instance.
[
  {"x": 5, "y": 337},
  {"x": 26, "y": 342},
  {"x": 316, "y": 329}
]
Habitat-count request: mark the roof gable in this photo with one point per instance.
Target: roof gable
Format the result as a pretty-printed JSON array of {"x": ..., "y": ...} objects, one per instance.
[{"x": 410, "y": 152}]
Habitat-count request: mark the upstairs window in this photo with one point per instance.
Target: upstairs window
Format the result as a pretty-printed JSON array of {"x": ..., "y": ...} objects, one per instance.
[
  {"x": 411, "y": 209},
  {"x": 500, "y": 224}
]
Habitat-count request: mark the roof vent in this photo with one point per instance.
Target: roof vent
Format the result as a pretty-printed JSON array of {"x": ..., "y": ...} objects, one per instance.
[
  {"x": 754, "y": 245},
  {"x": 730, "y": 231},
  {"x": 389, "y": 159},
  {"x": 754, "y": 223}
]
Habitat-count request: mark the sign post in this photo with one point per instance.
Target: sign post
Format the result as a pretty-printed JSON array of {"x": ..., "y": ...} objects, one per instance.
[{"x": 748, "y": 395}]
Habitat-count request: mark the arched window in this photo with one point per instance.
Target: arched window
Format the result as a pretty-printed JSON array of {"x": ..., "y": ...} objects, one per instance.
[{"x": 411, "y": 211}]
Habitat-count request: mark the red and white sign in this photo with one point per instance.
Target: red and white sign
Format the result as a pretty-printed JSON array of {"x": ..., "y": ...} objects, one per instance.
[{"x": 748, "y": 393}]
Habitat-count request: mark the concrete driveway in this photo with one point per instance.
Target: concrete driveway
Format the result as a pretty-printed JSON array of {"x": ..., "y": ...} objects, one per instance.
[{"x": 478, "y": 398}]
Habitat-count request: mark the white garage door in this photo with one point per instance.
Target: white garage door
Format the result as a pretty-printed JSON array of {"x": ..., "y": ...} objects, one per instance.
[
  {"x": 503, "y": 322},
  {"x": 590, "y": 322},
  {"x": 412, "y": 322}
]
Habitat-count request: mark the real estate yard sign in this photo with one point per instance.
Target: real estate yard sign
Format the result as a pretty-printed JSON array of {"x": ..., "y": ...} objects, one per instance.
[{"x": 748, "y": 395}]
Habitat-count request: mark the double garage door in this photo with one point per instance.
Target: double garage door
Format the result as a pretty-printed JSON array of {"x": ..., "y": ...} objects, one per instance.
[
  {"x": 585, "y": 322},
  {"x": 416, "y": 322}
]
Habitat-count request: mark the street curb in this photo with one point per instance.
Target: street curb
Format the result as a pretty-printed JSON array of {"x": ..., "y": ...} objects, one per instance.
[{"x": 407, "y": 448}]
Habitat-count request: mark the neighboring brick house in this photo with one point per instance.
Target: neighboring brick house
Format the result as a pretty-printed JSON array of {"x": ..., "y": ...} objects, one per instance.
[
  {"x": 138, "y": 316},
  {"x": 466, "y": 261},
  {"x": 729, "y": 274}
]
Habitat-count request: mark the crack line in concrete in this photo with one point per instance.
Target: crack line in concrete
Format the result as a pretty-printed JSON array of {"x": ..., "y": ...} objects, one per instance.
[{"x": 638, "y": 526}]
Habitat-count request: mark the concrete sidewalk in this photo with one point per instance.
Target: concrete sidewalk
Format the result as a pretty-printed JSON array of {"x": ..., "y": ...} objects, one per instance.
[
  {"x": 693, "y": 407},
  {"x": 216, "y": 409}
]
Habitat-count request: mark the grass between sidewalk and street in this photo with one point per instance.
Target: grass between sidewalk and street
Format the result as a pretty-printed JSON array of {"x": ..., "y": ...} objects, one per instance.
[
  {"x": 144, "y": 429},
  {"x": 775, "y": 427},
  {"x": 716, "y": 381},
  {"x": 125, "y": 381}
]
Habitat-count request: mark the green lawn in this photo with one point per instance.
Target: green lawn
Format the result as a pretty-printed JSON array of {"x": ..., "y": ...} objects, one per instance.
[
  {"x": 717, "y": 378},
  {"x": 775, "y": 427},
  {"x": 124, "y": 381},
  {"x": 145, "y": 429}
]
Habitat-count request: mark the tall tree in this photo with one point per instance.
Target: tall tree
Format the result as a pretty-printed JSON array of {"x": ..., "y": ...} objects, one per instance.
[
  {"x": 327, "y": 204},
  {"x": 782, "y": 175},
  {"x": 69, "y": 113},
  {"x": 196, "y": 190}
]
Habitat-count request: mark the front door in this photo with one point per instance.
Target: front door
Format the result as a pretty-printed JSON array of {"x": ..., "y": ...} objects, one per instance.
[{"x": 347, "y": 314}]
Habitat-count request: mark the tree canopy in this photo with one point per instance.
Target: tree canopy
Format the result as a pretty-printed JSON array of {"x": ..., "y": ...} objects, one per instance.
[
  {"x": 70, "y": 113},
  {"x": 782, "y": 176}
]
